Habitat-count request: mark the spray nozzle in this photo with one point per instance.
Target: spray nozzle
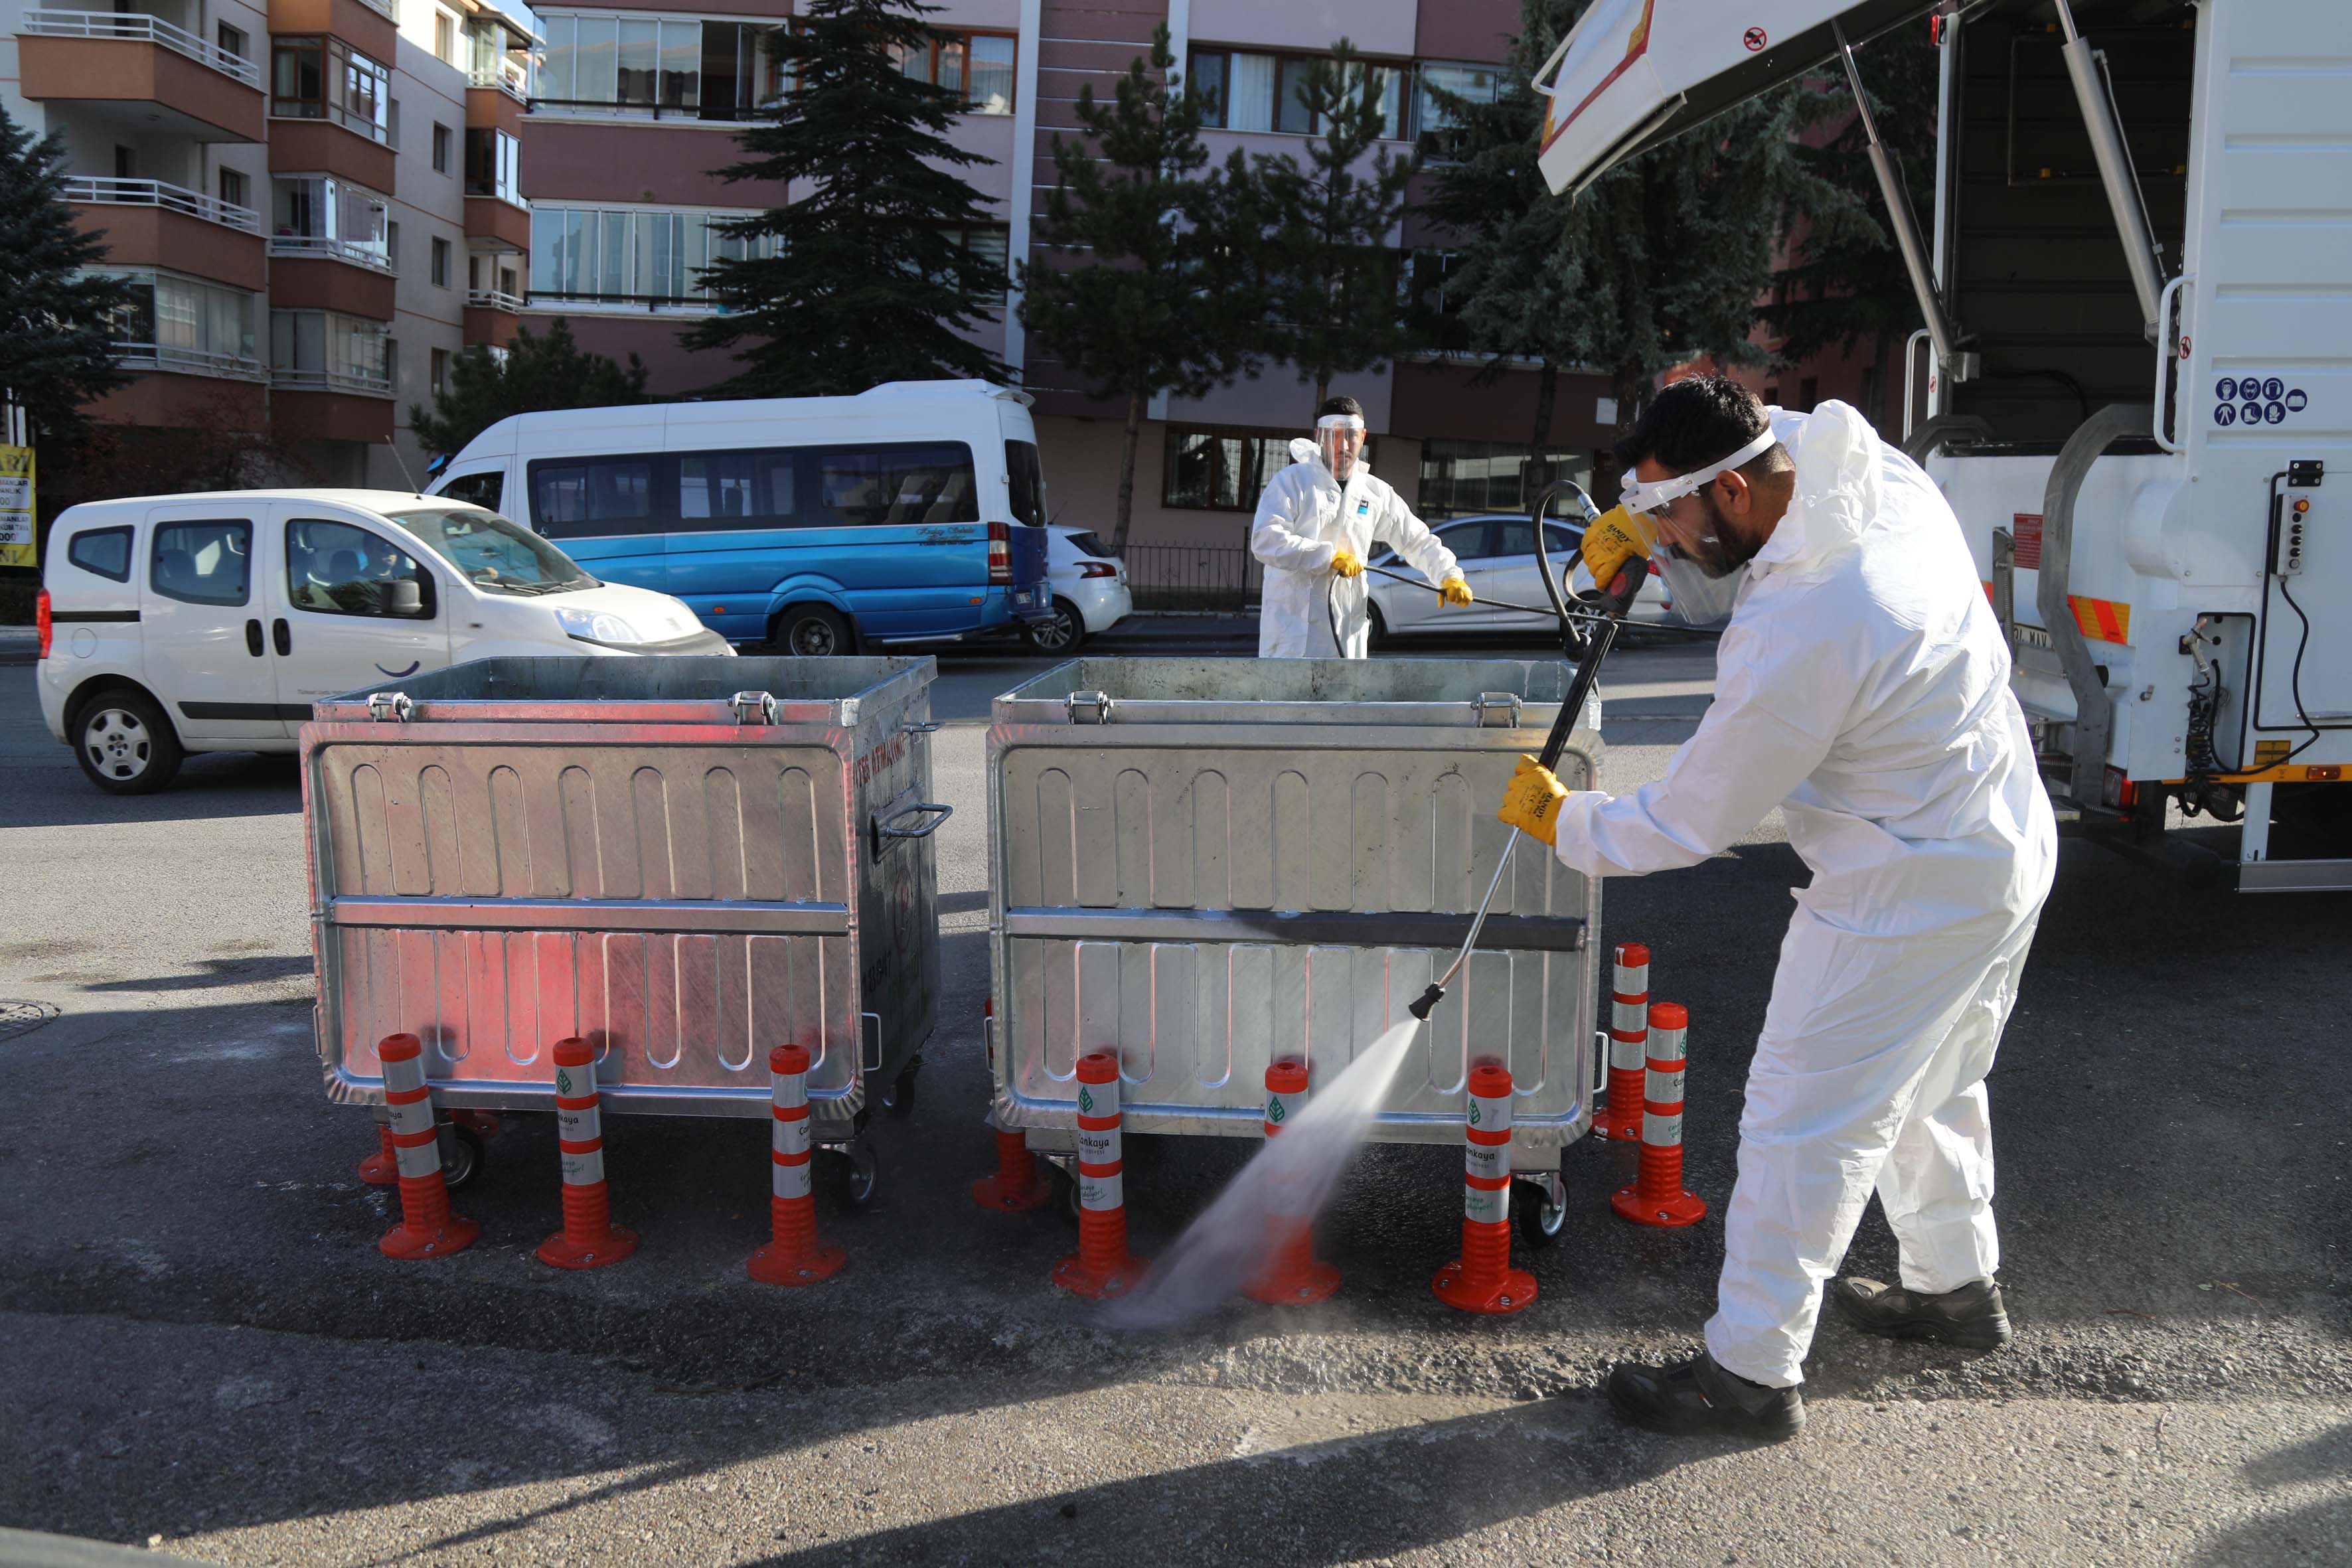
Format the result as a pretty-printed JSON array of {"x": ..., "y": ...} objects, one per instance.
[{"x": 1428, "y": 1003}]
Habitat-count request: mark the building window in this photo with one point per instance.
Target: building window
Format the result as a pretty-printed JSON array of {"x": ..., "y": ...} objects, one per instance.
[
  {"x": 659, "y": 68},
  {"x": 1222, "y": 470},
  {"x": 978, "y": 65},
  {"x": 494, "y": 165},
  {"x": 234, "y": 187},
  {"x": 320, "y": 215},
  {"x": 440, "y": 262},
  {"x": 497, "y": 57},
  {"x": 445, "y": 36},
  {"x": 179, "y": 324},
  {"x": 1264, "y": 92},
  {"x": 126, "y": 162},
  {"x": 440, "y": 372},
  {"x": 990, "y": 241},
  {"x": 440, "y": 149},
  {"x": 1436, "y": 300},
  {"x": 1437, "y": 129},
  {"x": 1463, "y": 478},
  {"x": 326, "y": 79},
  {"x": 327, "y": 351},
  {"x": 230, "y": 39},
  {"x": 630, "y": 258}
]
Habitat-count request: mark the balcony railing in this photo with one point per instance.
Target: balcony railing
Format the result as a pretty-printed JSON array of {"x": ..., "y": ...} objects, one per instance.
[
  {"x": 509, "y": 76},
  {"x": 86, "y": 191},
  {"x": 493, "y": 300},
  {"x": 331, "y": 381},
  {"x": 389, "y": 7},
  {"x": 303, "y": 246},
  {"x": 136, "y": 25},
  {"x": 189, "y": 362}
]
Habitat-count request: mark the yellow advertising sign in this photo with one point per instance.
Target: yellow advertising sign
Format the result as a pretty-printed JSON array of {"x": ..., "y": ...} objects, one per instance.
[{"x": 17, "y": 507}]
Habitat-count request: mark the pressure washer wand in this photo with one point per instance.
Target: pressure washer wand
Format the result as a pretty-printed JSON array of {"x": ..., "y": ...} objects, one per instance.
[{"x": 1614, "y": 604}]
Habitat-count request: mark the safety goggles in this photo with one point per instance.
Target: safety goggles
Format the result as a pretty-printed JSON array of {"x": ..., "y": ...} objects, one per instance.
[
  {"x": 1654, "y": 496},
  {"x": 1341, "y": 422}
]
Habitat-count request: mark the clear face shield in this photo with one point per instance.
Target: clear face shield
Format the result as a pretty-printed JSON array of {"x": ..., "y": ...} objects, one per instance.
[
  {"x": 1339, "y": 441},
  {"x": 1702, "y": 576}
]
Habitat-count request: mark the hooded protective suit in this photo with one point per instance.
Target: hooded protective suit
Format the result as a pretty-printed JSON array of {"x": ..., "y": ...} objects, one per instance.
[
  {"x": 1306, "y": 514},
  {"x": 1863, "y": 686}
]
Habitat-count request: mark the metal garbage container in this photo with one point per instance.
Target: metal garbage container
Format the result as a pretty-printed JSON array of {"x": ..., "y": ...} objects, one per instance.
[
  {"x": 686, "y": 861},
  {"x": 1210, "y": 864}
]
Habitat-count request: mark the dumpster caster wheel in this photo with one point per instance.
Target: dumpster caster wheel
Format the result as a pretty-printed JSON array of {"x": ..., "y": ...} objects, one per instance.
[
  {"x": 846, "y": 1176},
  {"x": 1065, "y": 1194},
  {"x": 462, "y": 1154},
  {"x": 898, "y": 1099},
  {"x": 1540, "y": 1208}
]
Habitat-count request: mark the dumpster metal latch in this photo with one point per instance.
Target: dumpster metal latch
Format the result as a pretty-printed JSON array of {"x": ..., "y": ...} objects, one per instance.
[
  {"x": 389, "y": 707},
  {"x": 1095, "y": 705},
  {"x": 1496, "y": 710},
  {"x": 927, "y": 727},
  {"x": 753, "y": 708}
]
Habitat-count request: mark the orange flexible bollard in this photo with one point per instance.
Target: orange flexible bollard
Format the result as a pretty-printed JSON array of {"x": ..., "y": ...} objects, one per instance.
[
  {"x": 1102, "y": 1265},
  {"x": 1656, "y": 1197},
  {"x": 1294, "y": 1275},
  {"x": 794, "y": 1255},
  {"x": 588, "y": 1239},
  {"x": 1482, "y": 1279},
  {"x": 426, "y": 1228},
  {"x": 1629, "y": 1037},
  {"x": 381, "y": 1169}
]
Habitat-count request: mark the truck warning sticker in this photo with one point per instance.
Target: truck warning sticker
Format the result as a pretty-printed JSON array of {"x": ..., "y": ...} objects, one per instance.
[{"x": 2253, "y": 400}]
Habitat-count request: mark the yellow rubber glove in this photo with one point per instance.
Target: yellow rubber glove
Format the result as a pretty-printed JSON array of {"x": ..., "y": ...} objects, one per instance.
[
  {"x": 1347, "y": 563},
  {"x": 1614, "y": 539},
  {"x": 1531, "y": 801},
  {"x": 1454, "y": 591}
]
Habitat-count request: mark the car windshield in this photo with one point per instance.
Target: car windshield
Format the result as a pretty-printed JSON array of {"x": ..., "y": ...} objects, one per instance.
[{"x": 491, "y": 553}]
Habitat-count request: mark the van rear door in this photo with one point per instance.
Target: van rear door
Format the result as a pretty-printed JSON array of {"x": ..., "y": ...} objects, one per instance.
[{"x": 207, "y": 651}]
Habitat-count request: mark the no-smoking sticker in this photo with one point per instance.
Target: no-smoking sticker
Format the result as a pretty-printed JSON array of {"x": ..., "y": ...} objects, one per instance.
[{"x": 1753, "y": 38}]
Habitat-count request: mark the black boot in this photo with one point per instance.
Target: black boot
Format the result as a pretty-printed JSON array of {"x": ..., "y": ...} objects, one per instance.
[
  {"x": 1698, "y": 1397},
  {"x": 1971, "y": 1317}
]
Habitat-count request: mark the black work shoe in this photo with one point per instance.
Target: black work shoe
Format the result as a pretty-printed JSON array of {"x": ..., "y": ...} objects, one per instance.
[
  {"x": 1971, "y": 1317},
  {"x": 1698, "y": 1397}
]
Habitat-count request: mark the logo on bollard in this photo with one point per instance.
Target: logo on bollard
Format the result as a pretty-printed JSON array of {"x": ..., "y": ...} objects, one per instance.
[
  {"x": 1473, "y": 1113},
  {"x": 1274, "y": 1111},
  {"x": 1085, "y": 1101},
  {"x": 562, "y": 1081}
]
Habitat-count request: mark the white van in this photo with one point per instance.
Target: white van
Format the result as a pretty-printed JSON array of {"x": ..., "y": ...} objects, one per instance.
[
  {"x": 912, "y": 512},
  {"x": 211, "y": 622}
]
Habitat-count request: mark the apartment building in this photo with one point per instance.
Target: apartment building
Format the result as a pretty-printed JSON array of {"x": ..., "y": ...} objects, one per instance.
[{"x": 318, "y": 203}]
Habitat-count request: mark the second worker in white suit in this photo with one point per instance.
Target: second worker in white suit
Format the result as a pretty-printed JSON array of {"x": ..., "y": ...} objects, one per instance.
[{"x": 1317, "y": 521}]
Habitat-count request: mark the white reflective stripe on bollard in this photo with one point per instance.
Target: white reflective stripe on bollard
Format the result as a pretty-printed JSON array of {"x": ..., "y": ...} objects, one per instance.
[
  {"x": 1661, "y": 1132},
  {"x": 1100, "y": 1193},
  {"x": 791, "y": 1181},
  {"x": 1490, "y": 1114},
  {"x": 1628, "y": 1018},
  {"x": 1666, "y": 1088}
]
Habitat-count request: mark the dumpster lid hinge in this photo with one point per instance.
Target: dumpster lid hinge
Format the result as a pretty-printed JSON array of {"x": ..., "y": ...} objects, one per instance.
[
  {"x": 1496, "y": 710},
  {"x": 1095, "y": 705},
  {"x": 387, "y": 706},
  {"x": 753, "y": 708}
]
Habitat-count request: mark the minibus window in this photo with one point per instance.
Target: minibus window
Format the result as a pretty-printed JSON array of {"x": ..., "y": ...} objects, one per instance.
[
  {"x": 203, "y": 562},
  {"x": 483, "y": 490},
  {"x": 1027, "y": 478},
  {"x": 590, "y": 496},
  {"x": 915, "y": 483},
  {"x": 734, "y": 489}
]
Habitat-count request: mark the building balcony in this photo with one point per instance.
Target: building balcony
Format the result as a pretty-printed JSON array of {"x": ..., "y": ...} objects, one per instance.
[
  {"x": 141, "y": 70},
  {"x": 326, "y": 275},
  {"x": 329, "y": 405},
  {"x": 495, "y": 223},
  {"x": 172, "y": 361},
  {"x": 492, "y": 109},
  {"x": 492, "y": 317},
  {"x": 372, "y": 29},
  {"x": 327, "y": 147},
  {"x": 148, "y": 223}
]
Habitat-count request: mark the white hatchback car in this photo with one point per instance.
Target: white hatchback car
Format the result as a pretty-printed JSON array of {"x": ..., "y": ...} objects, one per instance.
[
  {"x": 1090, "y": 591},
  {"x": 1497, "y": 555},
  {"x": 212, "y": 622}
]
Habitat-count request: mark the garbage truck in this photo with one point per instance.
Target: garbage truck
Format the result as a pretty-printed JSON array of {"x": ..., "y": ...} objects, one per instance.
[{"x": 2134, "y": 378}]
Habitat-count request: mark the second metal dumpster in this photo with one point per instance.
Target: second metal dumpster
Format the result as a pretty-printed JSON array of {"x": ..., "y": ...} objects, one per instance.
[
  {"x": 685, "y": 860},
  {"x": 1210, "y": 864}
]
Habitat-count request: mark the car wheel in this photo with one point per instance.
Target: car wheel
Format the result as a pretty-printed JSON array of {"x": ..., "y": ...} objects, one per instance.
[
  {"x": 1061, "y": 632},
  {"x": 1377, "y": 633},
  {"x": 812, "y": 631},
  {"x": 124, "y": 743}
]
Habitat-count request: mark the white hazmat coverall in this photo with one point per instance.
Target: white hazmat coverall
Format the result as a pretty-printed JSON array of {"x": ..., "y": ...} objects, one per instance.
[
  {"x": 1862, "y": 687},
  {"x": 1306, "y": 515}
]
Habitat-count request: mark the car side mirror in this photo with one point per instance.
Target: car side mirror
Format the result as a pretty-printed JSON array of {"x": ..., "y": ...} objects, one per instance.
[{"x": 402, "y": 597}]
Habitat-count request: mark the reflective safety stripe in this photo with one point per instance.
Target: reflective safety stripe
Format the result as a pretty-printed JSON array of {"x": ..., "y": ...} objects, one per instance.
[
  {"x": 1662, "y": 1131},
  {"x": 1490, "y": 1114},
  {"x": 1629, "y": 1017},
  {"x": 791, "y": 1181},
  {"x": 580, "y": 1126},
  {"x": 791, "y": 1136},
  {"x": 417, "y": 1116},
  {"x": 1488, "y": 1162},
  {"x": 584, "y": 1170},
  {"x": 1487, "y": 1206},
  {"x": 1098, "y": 1146},
  {"x": 419, "y": 1159},
  {"x": 1628, "y": 1056},
  {"x": 1664, "y": 1087},
  {"x": 1281, "y": 1109},
  {"x": 1101, "y": 1193}
]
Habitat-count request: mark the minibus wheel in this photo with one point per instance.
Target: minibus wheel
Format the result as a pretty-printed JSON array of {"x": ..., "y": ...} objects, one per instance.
[
  {"x": 811, "y": 631},
  {"x": 124, "y": 743}
]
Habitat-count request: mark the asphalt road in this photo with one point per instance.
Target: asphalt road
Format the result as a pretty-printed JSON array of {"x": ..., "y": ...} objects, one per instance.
[{"x": 201, "y": 1348}]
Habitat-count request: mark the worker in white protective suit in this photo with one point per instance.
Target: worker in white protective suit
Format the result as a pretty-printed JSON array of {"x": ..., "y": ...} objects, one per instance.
[
  {"x": 1863, "y": 688},
  {"x": 1316, "y": 525}
]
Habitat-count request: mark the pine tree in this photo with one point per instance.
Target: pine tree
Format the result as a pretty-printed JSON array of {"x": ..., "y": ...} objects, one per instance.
[
  {"x": 1152, "y": 288},
  {"x": 55, "y": 317},
  {"x": 1335, "y": 305},
  {"x": 864, "y": 279},
  {"x": 549, "y": 371}
]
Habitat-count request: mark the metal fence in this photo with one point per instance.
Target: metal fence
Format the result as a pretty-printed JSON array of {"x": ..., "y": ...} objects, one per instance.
[{"x": 1192, "y": 576}]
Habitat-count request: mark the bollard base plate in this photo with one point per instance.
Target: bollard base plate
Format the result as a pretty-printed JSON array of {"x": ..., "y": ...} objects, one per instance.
[
  {"x": 991, "y": 1192},
  {"x": 455, "y": 1235},
  {"x": 1315, "y": 1283},
  {"x": 560, "y": 1251},
  {"x": 770, "y": 1266},
  {"x": 1684, "y": 1209},
  {"x": 1511, "y": 1293},
  {"x": 380, "y": 1170},
  {"x": 1074, "y": 1275}
]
